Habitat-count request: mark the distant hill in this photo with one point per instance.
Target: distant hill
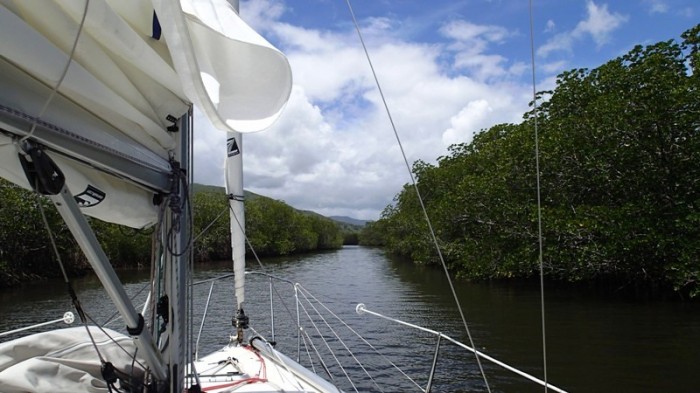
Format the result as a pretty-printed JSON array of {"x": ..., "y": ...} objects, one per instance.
[
  {"x": 349, "y": 220},
  {"x": 346, "y": 223},
  {"x": 218, "y": 189}
]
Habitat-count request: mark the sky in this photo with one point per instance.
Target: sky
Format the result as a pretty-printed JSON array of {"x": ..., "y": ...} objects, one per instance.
[{"x": 448, "y": 69}]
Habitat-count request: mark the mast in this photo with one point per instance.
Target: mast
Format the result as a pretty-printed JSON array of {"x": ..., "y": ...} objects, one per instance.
[
  {"x": 234, "y": 190},
  {"x": 177, "y": 254}
]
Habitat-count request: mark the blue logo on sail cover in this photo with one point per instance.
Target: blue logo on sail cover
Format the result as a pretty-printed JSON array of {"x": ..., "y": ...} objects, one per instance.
[{"x": 90, "y": 197}]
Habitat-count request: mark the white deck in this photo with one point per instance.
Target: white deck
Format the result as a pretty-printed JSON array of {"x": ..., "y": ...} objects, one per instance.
[{"x": 245, "y": 369}]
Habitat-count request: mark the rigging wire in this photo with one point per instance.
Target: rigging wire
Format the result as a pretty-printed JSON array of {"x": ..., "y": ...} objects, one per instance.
[
  {"x": 418, "y": 194},
  {"x": 306, "y": 348},
  {"x": 305, "y": 335},
  {"x": 84, "y": 317},
  {"x": 539, "y": 199},
  {"x": 101, "y": 328},
  {"x": 115, "y": 315},
  {"x": 340, "y": 340},
  {"x": 321, "y": 362},
  {"x": 320, "y": 335},
  {"x": 71, "y": 291},
  {"x": 262, "y": 267},
  {"x": 358, "y": 335},
  {"x": 200, "y": 234}
]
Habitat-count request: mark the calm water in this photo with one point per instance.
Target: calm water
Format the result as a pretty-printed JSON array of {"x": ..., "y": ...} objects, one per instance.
[{"x": 594, "y": 344}]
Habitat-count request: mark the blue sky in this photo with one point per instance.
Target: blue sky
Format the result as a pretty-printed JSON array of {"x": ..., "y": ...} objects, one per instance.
[{"x": 447, "y": 68}]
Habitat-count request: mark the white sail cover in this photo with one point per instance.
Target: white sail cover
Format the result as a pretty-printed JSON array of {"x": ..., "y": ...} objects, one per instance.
[
  {"x": 64, "y": 360},
  {"x": 135, "y": 64}
]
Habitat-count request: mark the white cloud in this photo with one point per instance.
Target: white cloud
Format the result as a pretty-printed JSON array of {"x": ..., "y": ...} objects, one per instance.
[
  {"x": 261, "y": 14},
  {"x": 560, "y": 42},
  {"x": 687, "y": 12},
  {"x": 657, "y": 6},
  {"x": 551, "y": 26},
  {"x": 333, "y": 150},
  {"x": 598, "y": 25},
  {"x": 554, "y": 67},
  {"x": 471, "y": 43},
  {"x": 467, "y": 122},
  {"x": 464, "y": 31},
  {"x": 208, "y": 143}
]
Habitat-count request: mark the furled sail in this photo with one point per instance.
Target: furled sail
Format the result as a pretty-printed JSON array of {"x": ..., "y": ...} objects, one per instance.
[
  {"x": 234, "y": 189},
  {"x": 99, "y": 83}
]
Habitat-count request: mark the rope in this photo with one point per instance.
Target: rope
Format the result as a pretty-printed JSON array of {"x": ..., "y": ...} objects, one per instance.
[
  {"x": 539, "y": 200},
  {"x": 175, "y": 224},
  {"x": 50, "y": 234},
  {"x": 420, "y": 198},
  {"x": 54, "y": 90},
  {"x": 63, "y": 73},
  {"x": 114, "y": 341}
]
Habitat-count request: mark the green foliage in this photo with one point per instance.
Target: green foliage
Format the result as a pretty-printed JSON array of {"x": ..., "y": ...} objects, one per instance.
[
  {"x": 620, "y": 166},
  {"x": 372, "y": 234},
  {"x": 25, "y": 249},
  {"x": 351, "y": 238},
  {"x": 213, "y": 241},
  {"x": 125, "y": 247},
  {"x": 273, "y": 227}
]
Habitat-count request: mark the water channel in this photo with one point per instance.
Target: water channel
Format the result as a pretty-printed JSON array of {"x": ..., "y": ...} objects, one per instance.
[{"x": 594, "y": 344}]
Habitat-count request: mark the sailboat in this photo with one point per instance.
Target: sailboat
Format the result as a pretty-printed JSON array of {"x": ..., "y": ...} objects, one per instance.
[{"x": 96, "y": 114}]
